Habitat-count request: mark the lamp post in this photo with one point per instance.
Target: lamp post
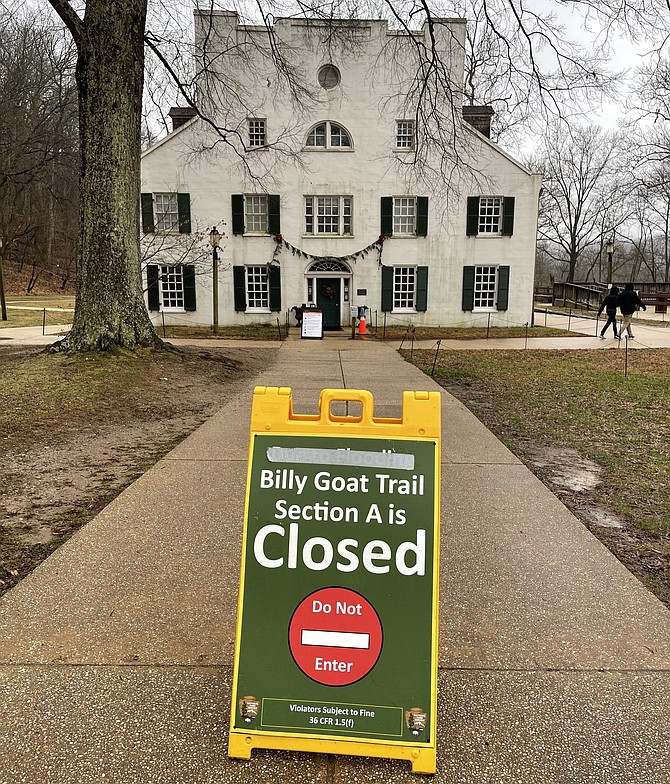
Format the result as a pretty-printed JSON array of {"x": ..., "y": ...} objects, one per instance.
[
  {"x": 214, "y": 239},
  {"x": 610, "y": 250},
  {"x": 3, "y": 304}
]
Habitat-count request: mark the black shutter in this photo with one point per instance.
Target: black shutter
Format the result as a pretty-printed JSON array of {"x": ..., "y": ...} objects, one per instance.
[
  {"x": 147, "y": 201},
  {"x": 184, "y": 209},
  {"x": 240, "y": 288},
  {"x": 237, "y": 203},
  {"x": 468, "y": 288},
  {"x": 274, "y": 279},
  {"x": 387, "y": 216},
  {"x": 387, "y": 289},
  {"x": 274, "y": 225},
  {"x": 188, "y": 279},
  {"x": 508, "y": 216},
  {"x": 472, "y": 224},
  {"x": 422, "y": 216},
  {"x": 503, "y": 288},
  {"x": 152, "y": 286},
  {"x": 422, "y": 289}
]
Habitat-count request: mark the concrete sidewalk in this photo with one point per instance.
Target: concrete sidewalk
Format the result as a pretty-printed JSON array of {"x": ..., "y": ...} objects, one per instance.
[{"x": 116, "y": 653}]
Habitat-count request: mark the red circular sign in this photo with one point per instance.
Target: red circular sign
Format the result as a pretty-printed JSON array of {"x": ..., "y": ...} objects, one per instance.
[{"x": 335, "y": 636}]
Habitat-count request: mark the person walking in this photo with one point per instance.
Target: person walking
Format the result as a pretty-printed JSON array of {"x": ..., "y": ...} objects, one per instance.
[
  {"x": 629, "y": 302},
  {"x": 609, "y": 304}
]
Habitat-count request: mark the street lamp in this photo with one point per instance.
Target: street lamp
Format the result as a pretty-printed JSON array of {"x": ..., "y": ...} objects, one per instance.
[
  {"x": 3, "y": 304},
  {"x": 609, "y": 248},
  {"x": 214, "y": 240}
]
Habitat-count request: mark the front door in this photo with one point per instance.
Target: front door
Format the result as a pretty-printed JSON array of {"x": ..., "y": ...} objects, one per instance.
[{"x": 328, "y": 301}]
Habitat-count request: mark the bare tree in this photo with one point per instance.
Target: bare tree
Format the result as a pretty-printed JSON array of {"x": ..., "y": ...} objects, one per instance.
[
  {"x": 583, "y": 198},
  {"x": 38, "y": 145}
]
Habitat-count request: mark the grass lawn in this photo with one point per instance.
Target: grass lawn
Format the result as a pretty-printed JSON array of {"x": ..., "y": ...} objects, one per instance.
[
  {"x": 251, "y": 332},
  {"x": 469, "y": 333},
  {"x": 24, "y": 317},
  {"x": 582, "y": 401}
]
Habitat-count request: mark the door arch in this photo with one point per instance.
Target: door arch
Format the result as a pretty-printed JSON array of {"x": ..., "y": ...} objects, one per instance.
[{"x": 328, "y": 283}]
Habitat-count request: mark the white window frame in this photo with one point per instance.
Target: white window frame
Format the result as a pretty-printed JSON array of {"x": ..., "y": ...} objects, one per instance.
[
  {"x": 404, "y": 216},
  {"x": 171, "y": 288},
  {"x": 490, "y": 215},
  {"x": 328, "y": 137},
  {"x": 485, "y": 288},
  {"x": 405, "y": 138},
  {"x": 257, "y": 127},
  {"x": 257, "y": 288},
  {"x": 404, "y": 289},
  {"x": 255, "y": 213},
  {"x": 321, "y": 211},
  {"x": 166, "y": 213}
]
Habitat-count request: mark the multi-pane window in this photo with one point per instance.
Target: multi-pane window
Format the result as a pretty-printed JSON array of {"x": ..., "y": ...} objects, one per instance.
[
  {"x": 404, "y": 215},
  {"x": 485, "y": 287},
  {"x": 258, "y": 295},
  {"x": 257, "y": 133},
  {"x": 171, "y": 288},
  {"x": 166, "y": 212},
  {"x": 327, "y": 136},
  {"x": 256, "y": 214},
  {"x": 490, "y": 210},
  {"x": 404, "y": 134},
  {"x": 404, "y": 288},
  {"x": 328, "y": 214}
]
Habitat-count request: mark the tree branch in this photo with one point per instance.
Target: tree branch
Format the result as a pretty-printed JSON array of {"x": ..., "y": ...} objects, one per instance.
[{"x": 73, "y": 22}]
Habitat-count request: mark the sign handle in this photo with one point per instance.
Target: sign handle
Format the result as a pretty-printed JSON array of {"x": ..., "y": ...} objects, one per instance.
[{"x": 330, "y": 396}]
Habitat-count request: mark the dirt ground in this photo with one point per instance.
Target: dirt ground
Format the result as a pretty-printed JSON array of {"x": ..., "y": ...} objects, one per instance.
[{"x": 56, "y": 475}]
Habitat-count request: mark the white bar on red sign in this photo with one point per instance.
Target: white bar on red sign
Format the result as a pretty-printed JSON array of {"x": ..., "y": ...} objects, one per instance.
[{"x": 335, "y": 639}]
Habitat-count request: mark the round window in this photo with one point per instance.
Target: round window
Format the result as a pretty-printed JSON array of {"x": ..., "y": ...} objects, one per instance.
[{"x": 329, "y": 77}]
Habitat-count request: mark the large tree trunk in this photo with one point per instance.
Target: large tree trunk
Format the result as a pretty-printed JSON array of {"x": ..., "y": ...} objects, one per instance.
[{"x": 109, "y": 309}]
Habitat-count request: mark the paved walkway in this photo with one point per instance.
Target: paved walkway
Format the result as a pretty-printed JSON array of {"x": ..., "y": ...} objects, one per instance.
[
  {"x": 651, "y": 332},
  {"x": 116, "y": 653}
]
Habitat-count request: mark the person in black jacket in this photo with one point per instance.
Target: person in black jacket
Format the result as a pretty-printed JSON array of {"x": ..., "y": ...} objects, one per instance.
[
  {"x": 609, "y": 304},
  {"x": 629, "y": 302}
]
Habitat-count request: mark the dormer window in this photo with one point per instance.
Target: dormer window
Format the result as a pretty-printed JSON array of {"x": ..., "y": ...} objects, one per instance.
[{"x": 328, "y": 136}]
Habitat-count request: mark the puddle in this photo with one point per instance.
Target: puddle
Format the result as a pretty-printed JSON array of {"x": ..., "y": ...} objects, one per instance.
[
  {"x": 601, "y": 518},
  {"x": 566, "y": 468}
]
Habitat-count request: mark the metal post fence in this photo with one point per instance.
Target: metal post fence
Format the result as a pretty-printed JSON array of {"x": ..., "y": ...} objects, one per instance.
[
  {"x": 279, "y": 329},
  {"x": 44, "y": 321},
  {"x": 437, "y": 351},
  {"x": 384, "y": 333},
  {"x": 625, "y": 360},
  {"x": 163, "y": 320},
  {"x": 488, "y": 326},
  {"x": 526, "y": 343}
]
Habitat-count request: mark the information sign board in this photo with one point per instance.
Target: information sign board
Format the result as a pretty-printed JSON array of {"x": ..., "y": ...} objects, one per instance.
[
  {"x": 312, "y": 324},
  {"x": 337, "y": 623}
]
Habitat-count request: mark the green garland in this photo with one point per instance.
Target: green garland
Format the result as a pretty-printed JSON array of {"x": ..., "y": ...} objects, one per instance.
[{"x": 378, "y": 244}]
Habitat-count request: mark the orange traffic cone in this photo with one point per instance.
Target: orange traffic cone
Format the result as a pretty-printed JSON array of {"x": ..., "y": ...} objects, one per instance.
[{"x": 362, "y": 331}]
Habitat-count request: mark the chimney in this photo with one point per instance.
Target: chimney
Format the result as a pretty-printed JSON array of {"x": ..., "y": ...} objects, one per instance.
[
  {"x": 180, "y": 115},
  {"x": 480, "y": 118}
]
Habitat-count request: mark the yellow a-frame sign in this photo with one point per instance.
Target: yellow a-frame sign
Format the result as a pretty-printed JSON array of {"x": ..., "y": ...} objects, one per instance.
[{"x": 338, "y": 608}]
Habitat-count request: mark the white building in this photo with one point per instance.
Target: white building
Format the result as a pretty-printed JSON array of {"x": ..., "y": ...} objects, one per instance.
[{"x": 360, "y": 195}]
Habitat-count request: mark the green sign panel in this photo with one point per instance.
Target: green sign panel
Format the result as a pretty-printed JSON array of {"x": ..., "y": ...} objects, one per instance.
[{"x": 336, "y": 634}]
